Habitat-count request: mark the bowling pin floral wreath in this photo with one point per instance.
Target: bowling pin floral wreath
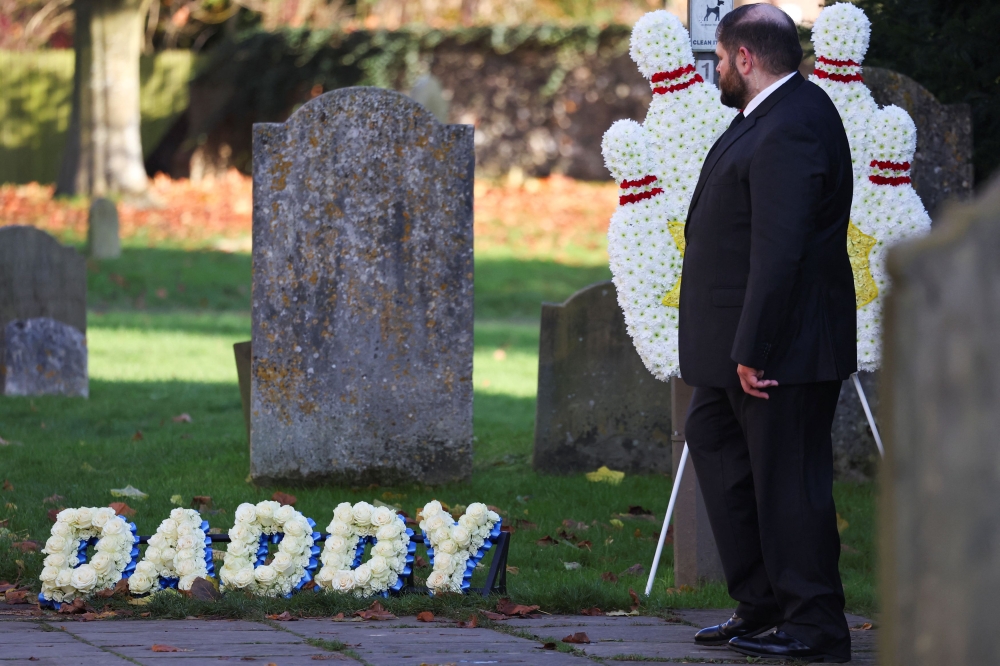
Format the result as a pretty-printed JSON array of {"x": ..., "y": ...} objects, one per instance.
[
  {"x": 657, "y": 166},
  {"x": 886, "y": 208}
]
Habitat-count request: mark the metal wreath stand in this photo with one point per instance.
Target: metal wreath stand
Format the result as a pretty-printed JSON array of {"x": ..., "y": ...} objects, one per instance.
[{"x": 683, "y": 464}]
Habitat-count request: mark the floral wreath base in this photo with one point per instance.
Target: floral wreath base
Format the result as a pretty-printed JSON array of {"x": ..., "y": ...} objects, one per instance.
[
  {"x": 176, "y": 555},
  {"x": 455, "y": 548}
]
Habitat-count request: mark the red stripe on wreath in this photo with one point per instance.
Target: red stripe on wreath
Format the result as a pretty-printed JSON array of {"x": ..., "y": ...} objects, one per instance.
[
  {"x": 633, "y": 198},
  {"x": 840, "y": 78},
  {"x": 672, "y": 74},
  {"x": 642, "y": 182},
  {"x": 680, "y": 86},
  {"x": 894, "y": 181},
  {"x": 896, "y": 166},
  {"x": 837, "y": 63}
]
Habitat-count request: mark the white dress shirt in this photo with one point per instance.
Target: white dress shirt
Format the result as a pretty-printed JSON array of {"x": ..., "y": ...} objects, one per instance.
[{"x": 762, "y": 95}]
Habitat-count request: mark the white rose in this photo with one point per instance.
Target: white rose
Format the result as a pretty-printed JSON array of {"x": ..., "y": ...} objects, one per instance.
[
  {"x": 115, "y": 527},
  {"x": 57, "y": 560},
  {"x": 343, "y": 581},
  {"x": 167, "y": 554},
  {"x": 146, "y": 569},
  {"x": 182, "y": 555},
  {"x": 61, "y": 529},
  {"x": 431, "y": 508},
  {"x": 343, "y": 512},
  {"x": 362, "y": 514},
  {"x": 55, "y": 544},
  {"x": 101, "y": 517},
  {"x": 282, "y": 562},
  {"x": 64, "y": 578},
  {"x": 139, "y": 583},
  {"x": 477, "y": 511},
  {"x": 446, "y": 546},
  {"x": 363, "y": 574},
  {"x": 239, "y": 549},
  {"x": 382, "y": 516},
  {"x": 178, "y": 515},
  {"x": 153, "y": 554},
  {"x": 48, "y": 574},
  {"x": 336, "y": 543},
  {"x": 468, "y": 522},
  {"x": 245, "y": 513},
  {"x": 102, "y": 563},
  {"x": 265, "y": 574},
  {"x": 384, "y": 549},
  {"x": 439, "y": 535},
  {"x": 83, "y": 518},
  {"x": 84, "y": 578},
  {"x": 184, "y": 529},
  {"x": 187, "y": 543},
  {"x": 186, "y": 582},
  {"x": 437, "y": 580},
  {"x": 67, "y": 516},
  {"x": 435, "y": 522},
  {"x": 324, "y": 578},
  {"x": 293, "y": 545},
  {"x": 443, "y": 561},
  {"x": 340, "y": 529},
  {"x": 110, "y": 544},
  {"x": 460, "y": 536},
  {"x": 390, "y": 531},
  {"x": 284, "y": 513},
  {"x": 241, "y": 532},
  {"x": 265, "y": 514},
  {"x": 187, "y": 567},
  {"x": 157, "y": 541},
  {"x": 295, "y": 528},
  {"x": 242, "y": 577},
  {"x": 379, "y": 568}
]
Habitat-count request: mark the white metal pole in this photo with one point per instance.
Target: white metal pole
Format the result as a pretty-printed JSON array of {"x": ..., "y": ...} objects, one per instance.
[
  {"x": 868, "y": 413},
  {"x": 666, "y": 518}
]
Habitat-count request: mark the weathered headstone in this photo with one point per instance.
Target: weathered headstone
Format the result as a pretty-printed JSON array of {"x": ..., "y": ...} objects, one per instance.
[
  {"x": 696, "y": 556},
  {"x": 428, "y": 93},
  {"x": 940, "y": 528},
  {"x": 40, "y": 278},
  {"x": 243, "y": 351},
  {"x": 102, "y": 230},
  {"x": 597, "y": 403},
  {"x": 362, "y": 293},
  {"x": 44, "y": 357}
]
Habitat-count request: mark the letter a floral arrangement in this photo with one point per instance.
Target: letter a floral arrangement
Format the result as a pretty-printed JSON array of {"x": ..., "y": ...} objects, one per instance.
[{"x": 180, "y": 551}]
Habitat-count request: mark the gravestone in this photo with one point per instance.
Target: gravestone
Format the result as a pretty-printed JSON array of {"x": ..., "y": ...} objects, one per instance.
[
  {"x": 243, "y": 353},
  {"x": 696, "y": 556},
  {"x": 940, "y": 526},
  {"x": 102, "y": 230},
  {"x": 40, "y": 278},
  {"x": 428, "y": 93},
  {"x": 362, "y": 293},
  {"x": 44, "y": 357},
  {"x": 597, "y": 404}
]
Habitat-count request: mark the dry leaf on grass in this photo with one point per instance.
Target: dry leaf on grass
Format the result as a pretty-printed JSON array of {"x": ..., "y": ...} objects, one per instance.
[
  {"x": 578, "y": 637},
  {"x": 548, "y": 646},
  {"x": 571, "y": 566},
  {"x": 27, "y": 546},
  {"x": 609, "y": 577},
  {"x": 513, "y": 571},
  {"x": 182, "y": 418},
  {"x": 282, "y": 617},
  {"x": 584, "y": 544},
  {"x": 53, "y": 514},
  {"x": 375, "y": 612},
  {"x": 76, "y": 607},
  {"x": 8, "y": 486},
  {"x": 634, "y": 570},
  {"x": 621, "y": 613},
  {"x": 339, "y": 617},
  {"x": 204, "y": 590},
  {"x": 16, "y": 596},
  {"x": 122, "y": 509},
  {"x": 425, "y": 616},
  {"x": 128, "y": 491},
  {"x": 52, "y": 499},
  {"x": 284, "y": 498},
  {"x": 593, "y": 611},
  {"x": 637, "y": 510},
  {"x": 635, "y": 599},
  {"x": 547, "y": 541},
  {"x": 471, "y": 623},
  {"x": 863, "y": 627},
  {"x": 138, "y": 436},
  {"x": 605, "y": 475},
  {"x": 121, "y": 587},
  {"x": 419, "y": 563},
  {"x": 508, "y": 607},
  {"x": 201, "y": 502},
  {"x": 496, "y": 617}
]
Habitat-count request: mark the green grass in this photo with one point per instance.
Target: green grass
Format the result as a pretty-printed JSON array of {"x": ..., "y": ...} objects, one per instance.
[{"x": 149, "y": 365}]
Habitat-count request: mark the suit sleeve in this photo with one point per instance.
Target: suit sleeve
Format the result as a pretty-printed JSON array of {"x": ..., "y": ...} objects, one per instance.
[{"x": 786, "y": 177}]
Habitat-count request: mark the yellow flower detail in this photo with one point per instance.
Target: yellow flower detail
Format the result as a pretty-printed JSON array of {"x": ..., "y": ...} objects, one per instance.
[
  {"x": 859, "y": 246},
  {"x": 673, "y": 297}
]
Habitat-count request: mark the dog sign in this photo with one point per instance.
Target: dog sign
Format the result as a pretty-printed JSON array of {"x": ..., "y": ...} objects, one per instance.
[{"x": 703, "y": 19}]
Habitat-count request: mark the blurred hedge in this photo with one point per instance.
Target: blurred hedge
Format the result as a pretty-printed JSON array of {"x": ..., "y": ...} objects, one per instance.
[{"x": 36, "y": 89}]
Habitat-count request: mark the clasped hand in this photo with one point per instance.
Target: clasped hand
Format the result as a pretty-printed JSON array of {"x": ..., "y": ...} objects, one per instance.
[{"x": 752, "y": 381}]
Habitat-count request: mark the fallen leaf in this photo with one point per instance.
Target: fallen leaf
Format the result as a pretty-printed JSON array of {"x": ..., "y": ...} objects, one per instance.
[
  {"x": 146, "y": 614},
  {"x": 339, "y": 617},
  {"x": 842, "y": 524},
  {"x": 848, "y": 549},
  {"x": 593, "y": 611},
  {"x": 522, "y": 524},
  {"x": 635, "y": 599},
  {"x": 205, "y": 590},
  {"x": 548, "y": 646},
  {"x": 419, "y": 562},
  {"x": 375, "y": 612},
  {"x": 53, "y": 514},
  {"x": 3, "y": 442},
  {"x": 283, "y": 617},
  {"x": 471, "y": 623},
  {"x": 182, "y": 418},
  {"x": 284, "y": 498},
  {"x": 609, "y": 577},
  {"x": 496, "y": 617},
  {"x": 578, "y": 637},
  {"x": 119, "y": 588},
  {"x": 122, "y": 509},
  {"x": 637, "y": 533},
  {"x": 605, "y": 475},
  {"x": 160, "y": 647},
  {"x": 584, "y": 544},
  {"x": 128, "y": 491},
  {"x": 617, "y": 523},
  {"x": 74, "y": 608},
  {"x": 571, "y": 566},
  {"x": 575, "y": 524},
  {"x": 634, "y": 570},
  {"x": 863, "y": 627},
  {"x": 176, "y": 500},
  {"x": 88, "y": 617},
  {"x": 636, "y": 510},
  {"x": 17, "y": 596},
  {"x": 508, "y": 607},
  {"x": 512, "y": 570},
  {"x": 8, "y": 486},
  {"x": 425, "y": 616},
  {"x": 201, "y": 502},
  {"x": 53, "y": 499},
  {"x": 546, "y": 541},
  {"x": 138, "y": 436},
  {"x": 26, "y": 546},
  {"x": 523, "y": 499},
  {"x": 568, "y": 536},
  {"x": 686, "y": 588},
  {"x": 161, "y": 293}
]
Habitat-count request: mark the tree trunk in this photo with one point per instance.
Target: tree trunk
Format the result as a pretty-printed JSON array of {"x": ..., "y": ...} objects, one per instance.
[{"x": 103, "y": 154}]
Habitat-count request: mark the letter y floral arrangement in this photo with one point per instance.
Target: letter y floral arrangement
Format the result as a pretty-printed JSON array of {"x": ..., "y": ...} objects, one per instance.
[{"x": 455, "y": 548}]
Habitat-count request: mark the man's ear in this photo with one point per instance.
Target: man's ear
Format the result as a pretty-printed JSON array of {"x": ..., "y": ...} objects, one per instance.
[{"x": 744, "y": 61}]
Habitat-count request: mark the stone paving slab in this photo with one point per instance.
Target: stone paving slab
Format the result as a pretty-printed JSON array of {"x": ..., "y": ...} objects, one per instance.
[
  {"x": 411, "y": 643},
  {"x": 30, "y": 642}
]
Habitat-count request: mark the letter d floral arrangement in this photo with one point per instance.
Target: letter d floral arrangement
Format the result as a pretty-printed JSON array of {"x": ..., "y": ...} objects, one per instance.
[{"x": 180, "y": 551}]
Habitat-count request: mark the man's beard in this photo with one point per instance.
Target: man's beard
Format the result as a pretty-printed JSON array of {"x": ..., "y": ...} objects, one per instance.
[{"x": 734, "y": 89}]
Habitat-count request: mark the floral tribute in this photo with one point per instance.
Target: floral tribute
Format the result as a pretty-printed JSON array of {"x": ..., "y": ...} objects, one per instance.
[
  {"x": 258, "y": 525},
  {"x": 350, "y": 530},
  {"x": 886, "y": 208},
  {"x": 175, "y": 556},
  {"x": 455, "y": 548},
  {"x": 67, "y": 574},
  {"x": 657, "y": 165}
]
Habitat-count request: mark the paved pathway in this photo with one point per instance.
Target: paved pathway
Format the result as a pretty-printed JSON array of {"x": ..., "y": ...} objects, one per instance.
[{"x": 402, "y": 642}]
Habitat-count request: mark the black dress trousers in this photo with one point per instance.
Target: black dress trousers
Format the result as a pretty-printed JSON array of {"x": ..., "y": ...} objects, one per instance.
[{"x": 766, "y": 472}]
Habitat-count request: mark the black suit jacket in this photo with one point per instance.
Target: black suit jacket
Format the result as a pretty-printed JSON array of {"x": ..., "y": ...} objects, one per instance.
[{"x": 767, "y": 281}]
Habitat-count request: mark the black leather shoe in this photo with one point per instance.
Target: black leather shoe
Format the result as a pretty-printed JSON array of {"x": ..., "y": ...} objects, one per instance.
[
  {"x": 734, "y": 627},
  {"x": 780, "y": 645}
]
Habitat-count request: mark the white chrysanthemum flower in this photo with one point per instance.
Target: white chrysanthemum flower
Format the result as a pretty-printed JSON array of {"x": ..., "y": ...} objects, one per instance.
[
  {"x": 842, "y": 32},
  {"x": 660, "y": 43}
]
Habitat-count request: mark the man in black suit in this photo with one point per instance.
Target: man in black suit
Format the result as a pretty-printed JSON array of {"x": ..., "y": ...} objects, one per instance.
[{"x": 767, "y": 335}]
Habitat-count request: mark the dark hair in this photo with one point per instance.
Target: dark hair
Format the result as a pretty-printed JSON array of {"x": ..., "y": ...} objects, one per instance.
[{"x": 766, "y": 32}]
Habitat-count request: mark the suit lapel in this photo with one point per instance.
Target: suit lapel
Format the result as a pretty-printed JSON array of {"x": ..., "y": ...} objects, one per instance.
[{"x": 729, "y": 137}]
